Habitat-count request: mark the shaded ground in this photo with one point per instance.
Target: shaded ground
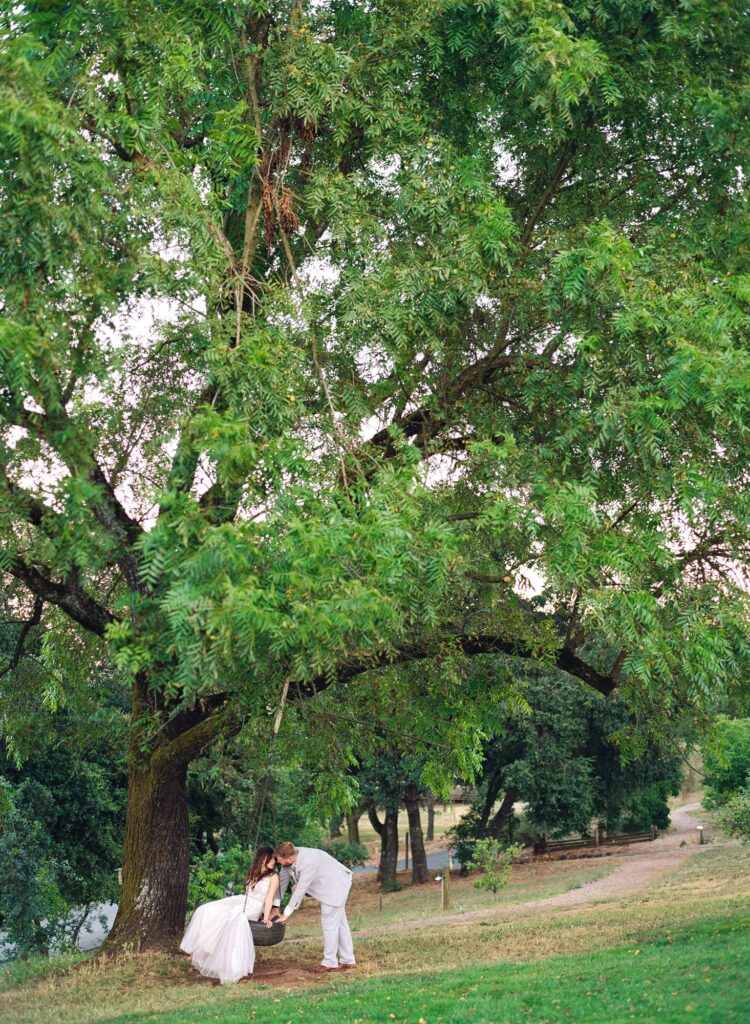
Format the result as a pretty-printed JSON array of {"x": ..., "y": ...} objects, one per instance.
[{"x": 286, "y": 975}]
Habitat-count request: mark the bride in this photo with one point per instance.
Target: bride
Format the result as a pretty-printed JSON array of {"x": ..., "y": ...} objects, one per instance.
[{"x": 219, "y": 938}]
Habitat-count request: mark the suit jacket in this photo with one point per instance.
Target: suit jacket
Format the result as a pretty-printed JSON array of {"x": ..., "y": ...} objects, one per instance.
[{"x": 318, "y": 875}]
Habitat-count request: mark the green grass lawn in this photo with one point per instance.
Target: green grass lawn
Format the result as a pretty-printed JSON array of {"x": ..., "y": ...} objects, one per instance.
[
  {"x": 677, "y": 950},
  {"x": 701, "y": 976}
]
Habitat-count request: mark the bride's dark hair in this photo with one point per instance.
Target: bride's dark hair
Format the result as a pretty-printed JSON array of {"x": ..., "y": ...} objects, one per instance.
[{"x": 258, "y": 867}]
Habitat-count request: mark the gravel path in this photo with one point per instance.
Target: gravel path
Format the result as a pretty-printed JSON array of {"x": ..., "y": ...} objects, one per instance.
[{"x": 636, "y": 867}]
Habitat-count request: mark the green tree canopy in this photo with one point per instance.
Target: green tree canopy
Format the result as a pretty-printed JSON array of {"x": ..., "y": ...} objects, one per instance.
[
  {"x": 572, "y": 758},
  {"x": 324, "y": 326}
]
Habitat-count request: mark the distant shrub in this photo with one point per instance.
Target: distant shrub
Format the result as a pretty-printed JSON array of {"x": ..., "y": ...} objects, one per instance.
[
  {"x": 348, "y": 853},
  {"x": 32, "y": 909},
  {"x": 493, "y": 860},
  {"x": 734, "y": 814},
  {"x": 463, "y": 837},
  {"x": 524, "y": 830},
  {"x": 648, "y": 806}
]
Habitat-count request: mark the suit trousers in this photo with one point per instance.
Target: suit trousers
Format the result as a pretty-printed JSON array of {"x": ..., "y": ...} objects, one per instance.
[{"x": 337, "y": 939}]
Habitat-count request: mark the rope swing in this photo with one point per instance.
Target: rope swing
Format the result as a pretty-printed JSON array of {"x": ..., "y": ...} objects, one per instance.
[{"x": 269, "y": 768}]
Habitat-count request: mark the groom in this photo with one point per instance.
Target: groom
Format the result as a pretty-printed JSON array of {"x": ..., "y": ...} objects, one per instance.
[{"x": 320, "y": 875}]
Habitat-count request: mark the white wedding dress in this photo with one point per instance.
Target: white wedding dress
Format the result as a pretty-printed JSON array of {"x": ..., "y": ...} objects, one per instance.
[{"x": 219, "y": 937}]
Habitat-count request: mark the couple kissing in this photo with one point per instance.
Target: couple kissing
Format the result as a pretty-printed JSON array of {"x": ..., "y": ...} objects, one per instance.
[{"x": 219, "y": 939}]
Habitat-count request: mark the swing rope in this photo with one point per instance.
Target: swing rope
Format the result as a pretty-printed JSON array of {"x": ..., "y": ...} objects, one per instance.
[{"x": 269, "y": 769}]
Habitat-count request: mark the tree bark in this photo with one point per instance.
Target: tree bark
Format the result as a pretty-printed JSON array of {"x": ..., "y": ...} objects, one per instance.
[
  {"x": 430, "y": 804},
  {"x": 388, "y": 832},
  {"x": 494, "y": 785},
  {"x": 156, "y": 860},
  {"x": 503, "y": 819},
  {"x": 156, "y": 850},
  {"x": 352, "y": 825},
  {"x": 389, "y": 851},
  {"x": 419, "y": 873}
]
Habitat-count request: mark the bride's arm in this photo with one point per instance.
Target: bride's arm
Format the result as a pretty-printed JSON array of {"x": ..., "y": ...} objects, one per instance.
[{"x": 268, "y": 905}]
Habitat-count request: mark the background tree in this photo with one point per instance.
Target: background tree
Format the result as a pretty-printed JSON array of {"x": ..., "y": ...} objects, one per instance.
[
  {"x": 387, "y": 780},
  {"x": 429, "y": 801},
  {"x": 726, "y": 759},
  {"x": 572, "y": 759},
  {"x": 324, "y": 326},
  {"x": 64, "y": 786},
  {"x": 412, "y": 799},
  {"x": 381, "y": 784}
]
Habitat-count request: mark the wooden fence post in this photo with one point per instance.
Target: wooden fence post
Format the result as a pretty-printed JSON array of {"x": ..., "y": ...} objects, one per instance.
[{"x": 447, "y": 889}]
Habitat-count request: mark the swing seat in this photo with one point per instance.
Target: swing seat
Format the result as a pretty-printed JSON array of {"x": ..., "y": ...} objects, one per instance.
[{"x": 263, "y": 936}]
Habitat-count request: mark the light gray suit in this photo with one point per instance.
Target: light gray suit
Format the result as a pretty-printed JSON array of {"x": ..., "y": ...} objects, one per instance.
[{"x": 318, "y": 874}]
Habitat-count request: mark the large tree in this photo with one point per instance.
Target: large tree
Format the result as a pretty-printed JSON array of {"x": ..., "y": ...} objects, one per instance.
[{"x": 324, "y": 326}]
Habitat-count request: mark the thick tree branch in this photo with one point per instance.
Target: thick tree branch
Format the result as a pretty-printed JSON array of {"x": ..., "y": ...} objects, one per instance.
[
  {"x": 110, "y": 512},
  {"x": 377, "y": 824},
  {"x": 550, "y": 190},
  {"x": 425, "y": 424},
  {"x": 470, "y": 645},
  {"x": 189, "y": 743},
  {"x": 202, "y": 710},
  {"x": 68, "y": 596}
]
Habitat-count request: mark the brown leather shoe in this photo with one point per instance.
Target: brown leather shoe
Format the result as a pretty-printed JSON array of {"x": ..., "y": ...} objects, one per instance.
[
  {"x": 322, "y": 969},
  {"x": 347, "y": 967}
]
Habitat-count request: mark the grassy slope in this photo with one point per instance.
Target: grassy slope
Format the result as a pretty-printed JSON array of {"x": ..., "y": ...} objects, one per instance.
[
  {"x": 694, "y": 918},
  {"x": 703, "y": 976},
  {"x": 532, "y": 881}
]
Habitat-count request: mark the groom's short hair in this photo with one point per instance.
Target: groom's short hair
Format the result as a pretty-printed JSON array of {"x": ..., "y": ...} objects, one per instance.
[{"x": 285, "y": 850}]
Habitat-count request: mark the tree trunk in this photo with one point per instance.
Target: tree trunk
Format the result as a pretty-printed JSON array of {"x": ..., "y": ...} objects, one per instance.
[
  {"x": 388, "y": 832},
  {"x": 352, "y": 825},
  {"x": 494, "y": 785},
  {"x": 156, "y": 860},
  {"x": 377, "y": 824},
  {"x": 334, "y": 827},
  {"x": 430, "y": 804},
  {"x": 419, "y": 857},
  {"x": 389, "y": 851},
  {"x": 156, "y": 851},
  {"x": 503, "y": 820}
]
